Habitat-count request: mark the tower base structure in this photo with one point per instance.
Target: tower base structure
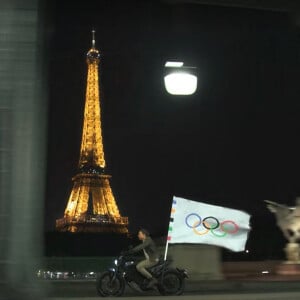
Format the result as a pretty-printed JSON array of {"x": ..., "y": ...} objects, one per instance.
[
  {"x": 93, "y": 223},
  {"x": 92, "y": 207}
]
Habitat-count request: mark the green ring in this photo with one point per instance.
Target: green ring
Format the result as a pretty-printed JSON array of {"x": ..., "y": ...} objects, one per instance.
[{"x": 218, "y": 235}]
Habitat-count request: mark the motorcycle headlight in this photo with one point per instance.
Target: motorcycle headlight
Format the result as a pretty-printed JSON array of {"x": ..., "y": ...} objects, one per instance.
[
  {"x": 129, "y": 263},
  {"x": 116, "y": 262}
]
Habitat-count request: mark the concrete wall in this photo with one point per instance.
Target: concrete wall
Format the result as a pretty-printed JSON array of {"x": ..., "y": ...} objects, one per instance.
[
  {"x": 242, "y": 269},
  {"x": 203, "y": 262}
]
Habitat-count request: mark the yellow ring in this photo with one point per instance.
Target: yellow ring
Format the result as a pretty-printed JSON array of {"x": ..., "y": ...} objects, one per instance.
[{"x": 202, "y": 232}]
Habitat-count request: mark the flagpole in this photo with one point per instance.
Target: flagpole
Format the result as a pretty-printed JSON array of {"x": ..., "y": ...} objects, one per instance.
[
  {"x": 169, "y": 229},
  {"x": 166, "y": 251},
  {"x": 165, "y": 259}
]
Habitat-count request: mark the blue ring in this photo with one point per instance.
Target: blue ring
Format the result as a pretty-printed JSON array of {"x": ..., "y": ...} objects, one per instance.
[{"x": 193, "y": 214}]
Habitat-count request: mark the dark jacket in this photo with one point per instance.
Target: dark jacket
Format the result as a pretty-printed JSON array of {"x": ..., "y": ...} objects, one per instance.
[{"x": 149, "y": 246}]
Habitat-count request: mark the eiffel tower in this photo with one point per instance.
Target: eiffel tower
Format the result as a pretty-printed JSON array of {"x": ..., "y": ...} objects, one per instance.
[{"x": 91, "y": 206}]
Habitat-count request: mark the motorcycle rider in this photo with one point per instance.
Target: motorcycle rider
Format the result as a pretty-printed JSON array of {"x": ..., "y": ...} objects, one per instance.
[{"x": 151, "y": 254}]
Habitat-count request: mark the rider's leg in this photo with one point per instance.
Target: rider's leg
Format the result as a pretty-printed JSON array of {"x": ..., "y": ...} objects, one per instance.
[{"x": 141, "y": 267}]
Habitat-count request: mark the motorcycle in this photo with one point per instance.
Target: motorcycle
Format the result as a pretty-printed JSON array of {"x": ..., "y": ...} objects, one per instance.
[{"x": 171, "y": 281}]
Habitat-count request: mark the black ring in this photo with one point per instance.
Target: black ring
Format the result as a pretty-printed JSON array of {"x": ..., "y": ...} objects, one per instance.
[{"x": 216, "y": 226}]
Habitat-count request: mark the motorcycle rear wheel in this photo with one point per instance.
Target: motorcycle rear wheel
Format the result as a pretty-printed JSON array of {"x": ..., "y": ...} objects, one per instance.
[
  {"x": 108, "y": 286},
  {"x": 171, "y": 283}
]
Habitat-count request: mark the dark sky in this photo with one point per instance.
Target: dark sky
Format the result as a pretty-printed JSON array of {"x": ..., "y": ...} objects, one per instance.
[{"x": 233, "y": 143}]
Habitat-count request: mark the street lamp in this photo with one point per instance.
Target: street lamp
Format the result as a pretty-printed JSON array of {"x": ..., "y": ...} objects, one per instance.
[{"x": 179, "y": 79}]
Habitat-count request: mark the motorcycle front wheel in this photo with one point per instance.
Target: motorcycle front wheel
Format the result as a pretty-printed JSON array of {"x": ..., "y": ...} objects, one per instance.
[
  {"x": 109, "y": 285},
  {"x": 171, "y": 283}
]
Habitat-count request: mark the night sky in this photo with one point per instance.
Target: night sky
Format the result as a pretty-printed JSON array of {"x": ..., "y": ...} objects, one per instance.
[{"x": 234, "y": 143}]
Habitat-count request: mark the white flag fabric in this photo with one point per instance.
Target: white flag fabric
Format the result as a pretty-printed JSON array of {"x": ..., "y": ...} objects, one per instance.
[{"x": 201, "y": 223}]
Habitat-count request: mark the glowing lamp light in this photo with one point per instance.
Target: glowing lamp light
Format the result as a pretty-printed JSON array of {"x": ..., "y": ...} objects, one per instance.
[
  {"x": 181, "y": 83},
  {"x": 180, "y": 80}
]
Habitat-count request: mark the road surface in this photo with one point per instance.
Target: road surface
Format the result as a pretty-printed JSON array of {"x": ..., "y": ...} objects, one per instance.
[
  {"x": 252, "y": 296},
  {"x": 206, "y": 290}
]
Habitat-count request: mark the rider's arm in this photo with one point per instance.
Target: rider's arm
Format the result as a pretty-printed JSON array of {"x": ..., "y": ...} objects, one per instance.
[{"x": 140, "y": 247}]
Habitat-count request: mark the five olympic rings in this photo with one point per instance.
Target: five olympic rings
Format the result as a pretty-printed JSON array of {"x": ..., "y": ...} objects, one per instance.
[{"x": 210, "y": 224}]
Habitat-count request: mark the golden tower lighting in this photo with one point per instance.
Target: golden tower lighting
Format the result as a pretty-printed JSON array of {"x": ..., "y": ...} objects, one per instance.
[{"x": 91, "y": 206}]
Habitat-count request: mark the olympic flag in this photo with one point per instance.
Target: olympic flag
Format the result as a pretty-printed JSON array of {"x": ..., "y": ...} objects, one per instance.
[{"x": 201, "y": 223}]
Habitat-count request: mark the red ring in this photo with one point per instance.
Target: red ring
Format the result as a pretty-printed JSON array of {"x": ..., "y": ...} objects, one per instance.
[{"x": 234, "y": 224}]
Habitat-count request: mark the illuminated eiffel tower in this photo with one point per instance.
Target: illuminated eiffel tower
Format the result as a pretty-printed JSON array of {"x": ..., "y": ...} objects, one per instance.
[{"x": 92, "y": 206}]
